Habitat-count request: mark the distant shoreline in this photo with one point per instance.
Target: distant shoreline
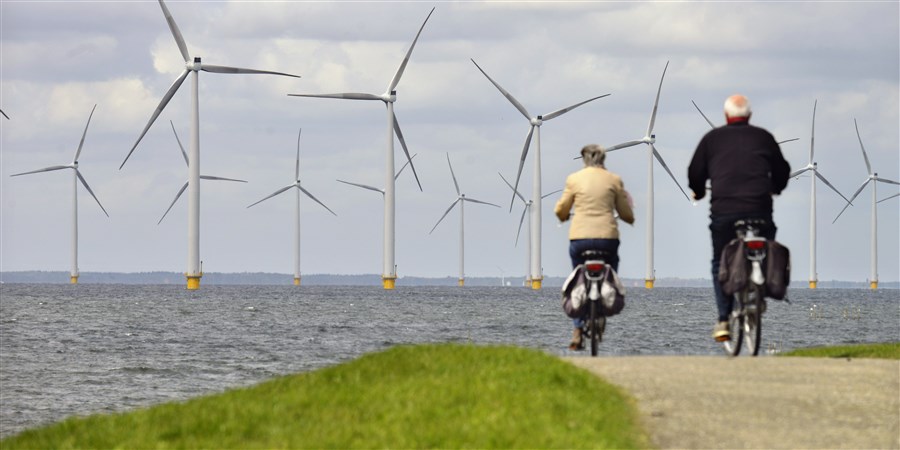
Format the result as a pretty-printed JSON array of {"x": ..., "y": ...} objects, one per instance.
[{"x": 268, "y": 278}]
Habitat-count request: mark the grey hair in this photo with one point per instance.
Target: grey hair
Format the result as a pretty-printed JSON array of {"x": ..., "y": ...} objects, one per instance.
[
  {"x": 593, "y": 155},
  {"x": 737, "y": 106}
]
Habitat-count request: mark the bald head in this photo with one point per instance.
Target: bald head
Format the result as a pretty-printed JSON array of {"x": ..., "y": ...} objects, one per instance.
[{"x": 737, "y": 106}]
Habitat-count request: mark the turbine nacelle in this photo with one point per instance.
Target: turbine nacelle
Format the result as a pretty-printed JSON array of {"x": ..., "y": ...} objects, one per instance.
[
  {"x": 194, "y": 65},
  {"x": 537, "y": 121}
]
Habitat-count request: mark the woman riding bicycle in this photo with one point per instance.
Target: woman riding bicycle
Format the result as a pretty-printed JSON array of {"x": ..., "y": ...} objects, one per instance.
[{"x": 594, "y": 195}]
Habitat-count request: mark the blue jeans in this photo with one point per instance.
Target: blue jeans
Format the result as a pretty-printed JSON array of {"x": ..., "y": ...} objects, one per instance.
[
  {"x": 576, "y": 246},
  {"x": 722, "y": 230}
]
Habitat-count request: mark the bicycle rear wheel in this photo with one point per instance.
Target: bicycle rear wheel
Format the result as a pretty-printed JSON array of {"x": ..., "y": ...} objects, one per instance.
[
  {"x": 736, "y": 325},
  {"x": 753, "y": 319},
  {"x": 594, "y": 327}
]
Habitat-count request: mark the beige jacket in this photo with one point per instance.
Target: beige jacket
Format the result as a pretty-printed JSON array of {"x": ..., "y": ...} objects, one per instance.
[{"x": 595, "y": 193}]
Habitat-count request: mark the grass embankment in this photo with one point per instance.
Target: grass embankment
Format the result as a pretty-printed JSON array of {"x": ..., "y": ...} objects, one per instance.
[
  {"x": 446, "y": 396},
  {"x": 888, "y": 350}
]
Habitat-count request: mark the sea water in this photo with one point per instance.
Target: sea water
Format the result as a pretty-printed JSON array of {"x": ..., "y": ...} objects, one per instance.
[{"x": 76, "y": 350}]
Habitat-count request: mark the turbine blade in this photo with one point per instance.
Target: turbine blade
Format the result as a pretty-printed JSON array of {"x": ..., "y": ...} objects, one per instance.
[
  {"x": 554, "y": 192},
  {"x": 239, "y": 70},
  {"x": 363, "y": 186},
  {"x": 396, "y": 79},
  {"x": 623, "y": 145},
  {"x": 812, "y": 136},
  {"x": 210, "y": 177},
  {"x": 851, "y": 200},
  {"x": 46, "y": 169},
  {"x": 468, "y": 199},
  {"x": 84, "y": 182},
  {"x": 183, "y": 153},
  {"x": 275, "y": 193},
  {"x": 788, "y": 140},
  {"x": 885, "y": 180},
  {"x": 445, "y": 215},
  {"x": 297, "y": 166},
  {"x": 406, "y": 151},
  {"x": 81, "y": 144},
  {"x": 821, "y": 177},
  {"x": 345, "y": 95},
  {"x": 798, "y": 172},
  {"x": 315, "y": 199},
  {"x": 560, "y": 112},
  {"x": 861, "y": 147},
  {"x": 888, "y": 198},
  {"x": 455, "y": 184},
  {"x": 176, "y": 33},
  {"x": 521, "y": 164},
  {"x": 663, "y": 163},
  {"x": 4, "y": 114},
  {"x": 159, "y": 108},
  {"x": 521, "y": 221},
  {"x": 704, "y": 115},
  {"x": 656, "y": 102},
  {"x": 177, "y": 196},
  {"x": 505, "y": 94},
  {"x": 404, "y": 166},
  {"x": 513, "y": 189}
]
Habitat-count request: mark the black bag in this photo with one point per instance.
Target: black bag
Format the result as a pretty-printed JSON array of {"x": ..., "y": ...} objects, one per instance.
[
  {"x": 575, "y": 294},
  {"x": 778, "y": 270},
  {"x": 734, "y": 270}
]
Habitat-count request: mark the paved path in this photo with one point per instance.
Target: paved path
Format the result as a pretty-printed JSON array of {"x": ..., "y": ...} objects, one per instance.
[{"x": 763, "y": 402}]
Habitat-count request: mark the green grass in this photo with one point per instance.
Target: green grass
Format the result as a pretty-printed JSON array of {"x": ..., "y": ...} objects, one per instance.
[
  {"x": 888, "y": 350},
  {"x": 434, "y": 396}
]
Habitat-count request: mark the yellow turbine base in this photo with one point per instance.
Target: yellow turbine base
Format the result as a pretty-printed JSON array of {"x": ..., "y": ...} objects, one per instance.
[
  {"x": 193, "y": 282},
  {"x": 462, "y": 282},
  {"x": 648, "y": 284},
  {"x": 73, "y": 279},
  {"x": 812, "y": 284},
  {"x": 536, "y": 283},
  {"x": 297, "y": 281},
  {"x": 388, "y": 282},
  {"x": 873, "y": 285}
]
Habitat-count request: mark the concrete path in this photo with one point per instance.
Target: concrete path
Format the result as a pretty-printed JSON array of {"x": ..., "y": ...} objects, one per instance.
[{"x": 764, "y": 402}]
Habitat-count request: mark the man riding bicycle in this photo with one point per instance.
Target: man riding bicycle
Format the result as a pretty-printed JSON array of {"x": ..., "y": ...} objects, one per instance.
[
  {"x": 595, "y": 194},
  {"x": 746, "y": 168}
]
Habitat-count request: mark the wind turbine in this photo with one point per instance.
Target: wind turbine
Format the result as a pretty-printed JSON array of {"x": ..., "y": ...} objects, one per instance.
[
  {"x": 525, "y": 211},
  {"x": 192, "y": 66},
  {"x": 389, "y": 268},
  {"x": 461, "y": 199},
  {"x": 649, "y": 139},
  {"x": 76, "y": 177},
  {"x": 185, "y": 185},
  {"x": 872, "y": 178},
  {"x": 535, "y": 123},
  {"x": 372, "y": 188},
  {"x": 813, "y": 167},
  {"x": 300, "y": 189}
]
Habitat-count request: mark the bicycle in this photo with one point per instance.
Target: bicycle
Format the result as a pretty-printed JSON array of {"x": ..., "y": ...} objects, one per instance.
[
  {"x": 595, "y": 272},
  {"x": 745, "y": 321}
]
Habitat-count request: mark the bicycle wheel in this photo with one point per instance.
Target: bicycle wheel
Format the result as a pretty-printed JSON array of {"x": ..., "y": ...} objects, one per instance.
[
  {"x": 594, "y": 329},
  {"x": 753, "y": 320},
  {"x": 736, "y": 325}
]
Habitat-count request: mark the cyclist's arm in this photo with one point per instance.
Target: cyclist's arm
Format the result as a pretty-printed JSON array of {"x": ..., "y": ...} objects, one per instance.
[
  {"x": 781, "y": 170},
  {"x": 698, "y": 171},
  {"x": 623, "y": 205},
  {"x": 564, "y": 205}
]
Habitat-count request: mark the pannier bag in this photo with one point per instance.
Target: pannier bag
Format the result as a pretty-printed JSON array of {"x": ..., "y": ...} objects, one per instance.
[
  {"x": 575, "y": 294},
  {"x": 734, "y": 268}
]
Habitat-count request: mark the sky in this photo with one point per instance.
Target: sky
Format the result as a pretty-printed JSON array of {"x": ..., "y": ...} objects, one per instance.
[{"x": 59, "y": 59}]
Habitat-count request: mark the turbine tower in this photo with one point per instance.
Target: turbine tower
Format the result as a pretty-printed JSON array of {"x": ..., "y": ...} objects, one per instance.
[
  {"x": 300, "y": 189},
  {"x": 193, "y": 66},
  {"x": 535, "y": 123},
  {"x": 525, "y": 211},
  {"x": 389, "y": 268},
  {"x": 461, "y": 199},
  {"x": 813, "y": 166},
  {"x": 872, "y": 178},
  {"x": 185, "y": 185},
  {"x": 649, "y": 139},
  {"x": 76, "y": 177}
]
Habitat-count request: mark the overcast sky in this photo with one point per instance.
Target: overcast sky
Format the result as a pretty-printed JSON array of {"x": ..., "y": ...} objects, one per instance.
[{"x": 60, "y": 58}]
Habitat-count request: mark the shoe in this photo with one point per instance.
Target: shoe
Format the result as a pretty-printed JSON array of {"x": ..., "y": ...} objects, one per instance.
[
  {"x": 577, "y": 343},
  {"x": 721, "y": 332}
]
